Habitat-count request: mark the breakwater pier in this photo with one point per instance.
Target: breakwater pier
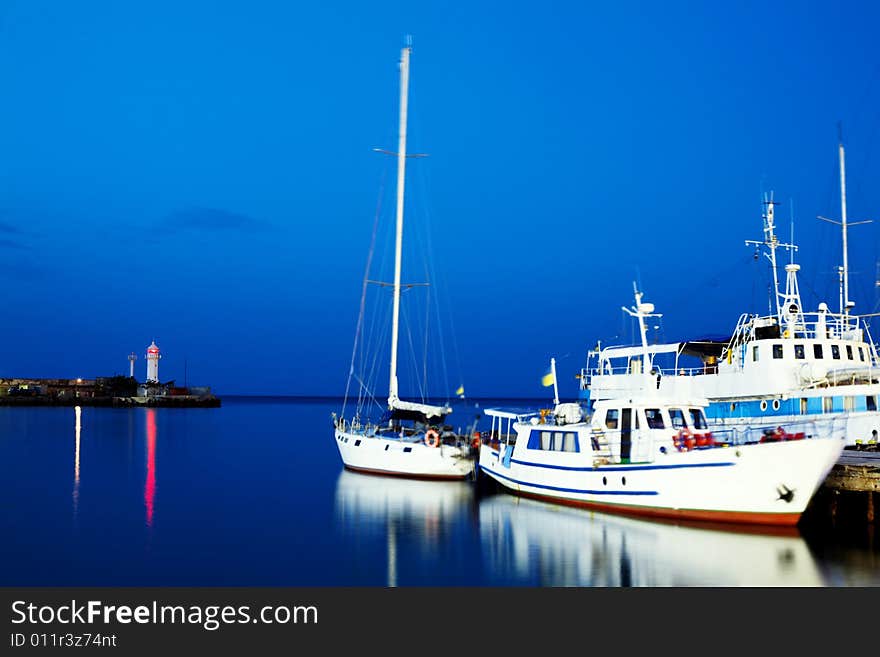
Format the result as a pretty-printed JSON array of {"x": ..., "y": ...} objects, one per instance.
[{"x": 113, "y": 391}]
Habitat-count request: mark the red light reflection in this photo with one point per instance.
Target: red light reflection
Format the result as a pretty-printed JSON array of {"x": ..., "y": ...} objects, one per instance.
[{"x": 150, "y": 483}]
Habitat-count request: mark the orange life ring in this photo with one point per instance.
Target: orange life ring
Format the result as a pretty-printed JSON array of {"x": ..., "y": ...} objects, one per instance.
[
  {"x": 476, "y": 441},
  {"x": 432, "y": 438}
]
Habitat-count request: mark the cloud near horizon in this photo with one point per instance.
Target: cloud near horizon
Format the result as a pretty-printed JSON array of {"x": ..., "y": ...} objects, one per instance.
[
  {"x": 212, "y": 219},
  {"x": 12, "y": 244}
]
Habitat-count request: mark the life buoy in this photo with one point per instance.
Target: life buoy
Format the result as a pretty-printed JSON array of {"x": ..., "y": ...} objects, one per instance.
[
  {"x": 432, "y": 438},
  {"x": 684, "y": 440},
  {"x": 476, "y": 441}
]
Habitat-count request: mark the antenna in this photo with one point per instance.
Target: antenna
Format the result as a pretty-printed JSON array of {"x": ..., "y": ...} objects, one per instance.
[
  {"x": 555, "y": 385},
  {"x": 641, "y": 311},
  {"x": 772, "y": 243}
]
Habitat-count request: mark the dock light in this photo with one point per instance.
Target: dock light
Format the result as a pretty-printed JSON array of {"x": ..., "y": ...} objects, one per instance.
[{"x": 79, "y": 380}]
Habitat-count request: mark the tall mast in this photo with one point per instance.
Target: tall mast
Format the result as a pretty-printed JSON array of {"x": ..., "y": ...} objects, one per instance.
[
  {"x": 845, "y": 308},
  {"x": 398, "y": 247},
  {"x": 845, "y": 303}
]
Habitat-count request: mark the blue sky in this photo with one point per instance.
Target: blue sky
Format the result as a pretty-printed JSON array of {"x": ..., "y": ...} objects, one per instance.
[{"x": 201, "y": 173}]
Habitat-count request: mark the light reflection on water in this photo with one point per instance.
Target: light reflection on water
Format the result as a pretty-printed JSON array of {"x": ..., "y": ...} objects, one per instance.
[
  {"x": 77, "y": 431},
  {"x": 150, "y": 480}
]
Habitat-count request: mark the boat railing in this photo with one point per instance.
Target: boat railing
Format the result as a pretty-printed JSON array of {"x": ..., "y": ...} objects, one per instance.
[
  {"x": 812, "y": 325},
  {"x": 778, "y": 432},
  {"x": 606, "y": 443},
  {"x": 588, "y": 374}
]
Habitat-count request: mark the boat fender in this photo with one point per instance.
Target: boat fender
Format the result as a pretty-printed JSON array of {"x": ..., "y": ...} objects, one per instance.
[{"x": 432, "y": 438}]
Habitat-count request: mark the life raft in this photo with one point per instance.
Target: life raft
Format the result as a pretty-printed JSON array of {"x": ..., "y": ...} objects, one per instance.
[{"x": 686, "y": 440}]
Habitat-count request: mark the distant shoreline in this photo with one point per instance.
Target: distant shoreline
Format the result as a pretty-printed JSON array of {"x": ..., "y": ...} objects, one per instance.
[{"x": 112, "y": 402}]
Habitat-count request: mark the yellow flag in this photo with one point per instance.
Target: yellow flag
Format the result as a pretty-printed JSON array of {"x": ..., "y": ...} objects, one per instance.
[
  {"x": 460, "y": 391},
  {"x": 547, "y": 379}
]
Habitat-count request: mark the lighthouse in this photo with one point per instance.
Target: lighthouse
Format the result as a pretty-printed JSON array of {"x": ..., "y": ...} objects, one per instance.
[{"x": 153, "y": 357}]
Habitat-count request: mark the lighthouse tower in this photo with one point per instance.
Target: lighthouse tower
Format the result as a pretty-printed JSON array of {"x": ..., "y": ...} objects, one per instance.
[{"x": 153, "y": 357}]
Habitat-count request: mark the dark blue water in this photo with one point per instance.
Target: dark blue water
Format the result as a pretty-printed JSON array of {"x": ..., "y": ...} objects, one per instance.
[{"x": 254, "y": 493}]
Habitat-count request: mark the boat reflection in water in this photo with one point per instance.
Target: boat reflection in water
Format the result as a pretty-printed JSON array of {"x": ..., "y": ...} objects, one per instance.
[
  {"x": 417, "y": 520},
  {"x": 529, "y": 542}
]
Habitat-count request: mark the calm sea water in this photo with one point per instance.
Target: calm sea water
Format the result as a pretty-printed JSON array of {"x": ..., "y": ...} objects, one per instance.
[{"x": 254, "y": 493}]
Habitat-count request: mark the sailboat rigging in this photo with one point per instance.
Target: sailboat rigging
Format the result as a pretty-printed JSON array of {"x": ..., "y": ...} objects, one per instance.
[{"x": 411, "y": 439}]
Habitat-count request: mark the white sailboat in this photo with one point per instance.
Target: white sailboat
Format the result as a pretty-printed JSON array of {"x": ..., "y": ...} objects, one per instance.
[{"x": 411, "y": 439}]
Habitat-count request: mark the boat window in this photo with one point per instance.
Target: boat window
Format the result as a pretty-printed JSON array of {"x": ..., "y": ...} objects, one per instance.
[
  {"x": 677, "y": 417},
  {"x": 611, "y": 418},
  {"x": 827, "y": 404},
  {"x": 755, "y": 353},
  {"x": 803, "y": 405},
  {"x": 799, "y": 351},
  {"x": 817, "y": 351},
  {"x": 654, "y": 418},
  {"x": 835, "y": 352},
  {"x": 871, "y": 403},
  {"x": 849, "y": 354},
  {"x": 861, "y": 354},
  {"x": 849, "y": 403},
  {"x": 777, "y": 351},
  {"x": 557, "y": 441},
  {"x": 698, "y": 419}
]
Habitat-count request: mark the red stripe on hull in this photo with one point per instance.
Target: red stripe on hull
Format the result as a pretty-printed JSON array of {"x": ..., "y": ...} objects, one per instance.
[
  {"x": 405, "y": 475},
  {"x": 700, "y": 515}
]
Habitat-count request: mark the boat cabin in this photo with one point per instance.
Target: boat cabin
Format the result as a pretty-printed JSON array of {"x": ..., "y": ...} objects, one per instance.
[{"x": 618, "y": 431}]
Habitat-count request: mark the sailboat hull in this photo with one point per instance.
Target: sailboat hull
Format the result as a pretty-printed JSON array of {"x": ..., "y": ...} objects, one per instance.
[{"x": 395, "y": 457}]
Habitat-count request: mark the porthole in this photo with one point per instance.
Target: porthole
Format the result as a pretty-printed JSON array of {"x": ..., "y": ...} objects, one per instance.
[
  {"x": 623, "y": 480},
  {"x": 604, "y": 481},
  {"x": 775, "y": 404},
  {"x": 357, "y": 443},
  {"x": 764, "y": 405}
]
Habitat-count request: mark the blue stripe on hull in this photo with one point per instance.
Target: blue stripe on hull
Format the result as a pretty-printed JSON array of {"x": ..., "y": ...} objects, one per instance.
[
  {"x": 569, "y": 490},
  {"x": 603, "y": 468}
]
